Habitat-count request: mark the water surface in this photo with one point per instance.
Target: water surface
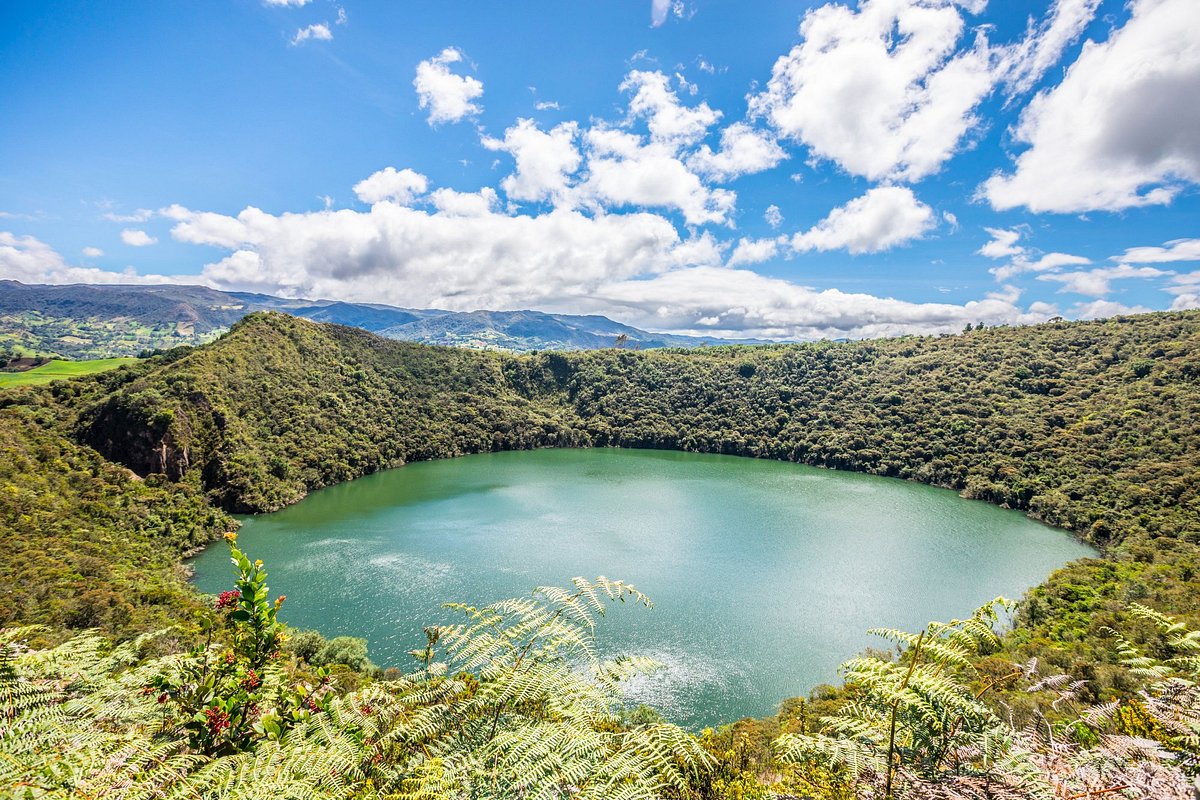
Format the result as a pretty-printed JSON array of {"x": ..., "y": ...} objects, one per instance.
[{"x": 765, "y": 575}]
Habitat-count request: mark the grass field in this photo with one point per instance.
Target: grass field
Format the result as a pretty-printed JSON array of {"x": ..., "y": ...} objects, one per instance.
[{"x": 60, "y": 370}]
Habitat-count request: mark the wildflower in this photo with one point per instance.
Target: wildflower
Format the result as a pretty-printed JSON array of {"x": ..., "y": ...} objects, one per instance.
[
  {"x": 230, "y": 536},
  {"x": 251, "y": 681},
  {"x": 218, "y": 720},
  {"x": 228, "y": 599},
  {"x": 229, "y": 657}
]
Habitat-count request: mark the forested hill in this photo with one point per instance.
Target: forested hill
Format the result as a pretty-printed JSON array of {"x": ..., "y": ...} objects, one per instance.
[
  {"x": 1094, "y": 426},
  {"x": 107, "y": 480}
]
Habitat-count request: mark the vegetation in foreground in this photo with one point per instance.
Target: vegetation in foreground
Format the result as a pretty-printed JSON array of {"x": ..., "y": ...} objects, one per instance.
[
  {"x": 105, "y": 481},
  {"x": 513, "y": 702}
]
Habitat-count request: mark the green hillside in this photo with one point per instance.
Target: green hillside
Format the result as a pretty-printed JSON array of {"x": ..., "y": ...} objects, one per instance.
[
  {"x": 57, "y": 370},
  {"x": 1093, "y": 426}
]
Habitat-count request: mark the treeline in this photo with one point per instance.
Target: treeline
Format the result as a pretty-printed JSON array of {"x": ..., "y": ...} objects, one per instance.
[
  {"x": 106, "y": 481},
  {"x": 1092, "y": 426}
]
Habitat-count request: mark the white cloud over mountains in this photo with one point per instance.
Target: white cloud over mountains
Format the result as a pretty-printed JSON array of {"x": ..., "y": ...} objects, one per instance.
[
  {"x": 447, "y": 96},
  {"x": 632, "y": 216}
]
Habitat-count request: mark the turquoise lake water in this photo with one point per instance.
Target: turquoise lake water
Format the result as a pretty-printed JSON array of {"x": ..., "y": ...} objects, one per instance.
[{"x": 765, "y": 575}]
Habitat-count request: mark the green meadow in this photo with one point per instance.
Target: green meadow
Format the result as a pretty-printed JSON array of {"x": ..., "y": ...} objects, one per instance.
[{"x": 59, "y": 370}]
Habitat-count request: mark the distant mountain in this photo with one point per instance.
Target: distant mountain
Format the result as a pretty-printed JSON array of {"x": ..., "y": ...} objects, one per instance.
[{"x": 100, "y": 321}]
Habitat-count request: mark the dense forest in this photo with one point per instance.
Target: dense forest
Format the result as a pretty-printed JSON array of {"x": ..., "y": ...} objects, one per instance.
[{"x": 1092, "y": 426}]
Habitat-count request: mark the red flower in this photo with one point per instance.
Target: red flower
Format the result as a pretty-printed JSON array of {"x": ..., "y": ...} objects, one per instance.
[
  {"x": 228, "y": 599},
  {"x": 251, "y": 681},
  {"x": 218, "y": 720}
]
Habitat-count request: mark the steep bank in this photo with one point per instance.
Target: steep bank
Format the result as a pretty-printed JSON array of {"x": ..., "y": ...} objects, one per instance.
[{"x": 1092, "y": 426}]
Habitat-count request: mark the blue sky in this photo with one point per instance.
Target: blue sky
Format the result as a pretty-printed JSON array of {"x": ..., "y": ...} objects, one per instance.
[{"x": 779, "y": 169}]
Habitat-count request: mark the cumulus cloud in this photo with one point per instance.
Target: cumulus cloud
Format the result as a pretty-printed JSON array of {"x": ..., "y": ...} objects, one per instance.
[
  {"x": 885, "y": 91},
  {"x": 1123, "y": 127},
  {"x": 391, "y": 185},
  {"x": 1003, "y": 243},
  {"x": 744, "y": 151},
  {"x": 1186, "y": 288},
  {"x": 1101, "y": 309},
  {"x": 1098, "y": 282},
  {"x": 319, "y": 32},
  {"x": 461, "y": 254},
  {"x": 92, "y": 252},
  {"x": 449, "y": 97},
  {"x": 723, "y": 301},
  {"x": 30, "y": 260},
  {"x": 622, "y": 170},
  {"x": 465, "y": 250},
  {"x": 545, "y": 159},
  {"x": 137, "y": 238},
  {"x": 753, "y": 251},
  {"x": 884, "y": 217},
  {"x": 1177, "y": 250},
  {"x": 773, "y": 216},
  {"x": 670, "y": 122},
  {"x": 294, "y": 3},
  {"x": 1046, "y": 263}
]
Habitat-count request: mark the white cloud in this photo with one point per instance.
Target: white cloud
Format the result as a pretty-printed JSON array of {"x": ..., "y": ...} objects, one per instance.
[
  {"x": 1097, "y": 282},
  {"x": 141, "y": 215},
  {"x": 282, "y": 3},
  {"x": 753, "y": 251},
  {"x": 545, "y": 159},
  {"x": 1177, "y": 250},
  {"x": 449, "y": 97},
  {"x": 1186, "y": 288},
  {"x": 773, "y": 216},
  {"x": 30, "y": 260},
  {"x": 623, "y": 171},
  {"x": 137, "y": 238},
  {"x": 463, "y": 254},
  {"x": 92, "y": 252},
  {"x": 1102, "y": 309},
  {"x": 547, "y": 105},
  {"x": 744, "y": 151},
  {"x": 1046, "y": 263},
  {"x": 722, "y": 301},
  {"x": 1023, "y": 64},
  {"x": 884, "y": 91},
  {"x": 884, "y": 217},
  {"x": 659, "y": 9},
  {"x": 389, "y": 185},
  {"x": 319, "y": 32},
  {"x": 1122, "y": 129},
  {"x": 1003, "y": 243},
  {"x": 670, "y": 122}
]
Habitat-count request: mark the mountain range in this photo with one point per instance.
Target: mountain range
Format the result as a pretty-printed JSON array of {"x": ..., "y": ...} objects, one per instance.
[{"x": 104, "y": 321}]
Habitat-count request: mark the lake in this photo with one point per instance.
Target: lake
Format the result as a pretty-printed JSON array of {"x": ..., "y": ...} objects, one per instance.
[{"x": 765, "y": 575}]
